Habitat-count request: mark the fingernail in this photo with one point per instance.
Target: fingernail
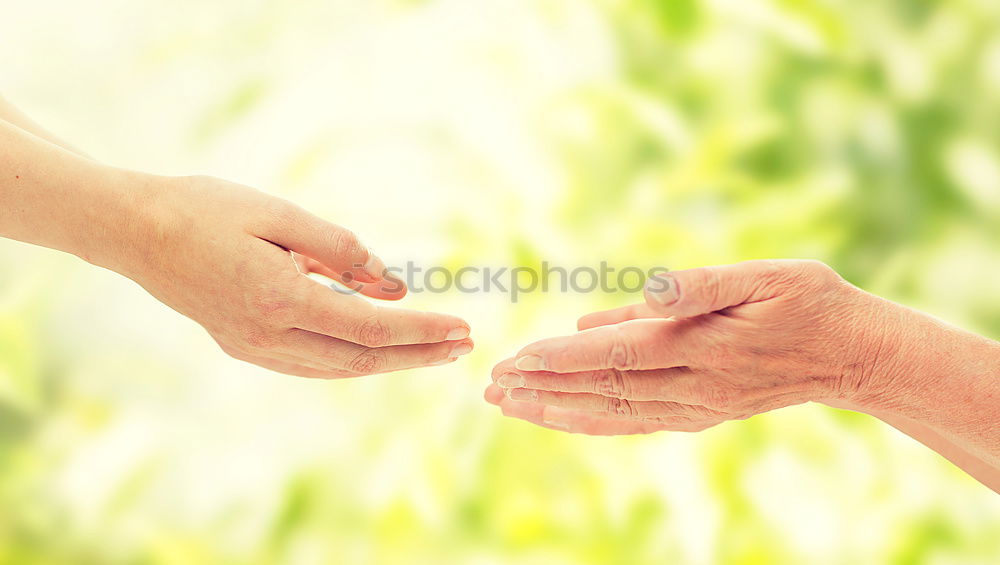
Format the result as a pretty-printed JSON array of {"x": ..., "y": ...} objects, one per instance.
[
  {"x": 521, "y": 394},
  {"x": 511, "y": 380},
  {"x": 457, "y": 333},
  {"x": 396, "y": 284},
  {"x": 444, "y": 361},
  {"x": 662, "y": 288},
  {"x": 564, "y": 426},
  {"x": 530, "y": 363},
  {"x": 461, "y": 349},
  {"x": 374, "y": 266},
  {"x": 555, "y": 417}
]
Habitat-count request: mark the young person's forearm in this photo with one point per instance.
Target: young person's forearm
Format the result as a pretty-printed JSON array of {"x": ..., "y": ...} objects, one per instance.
[
  {"x": 54, "y": 198},
  {"x": 14, "y": 116}
]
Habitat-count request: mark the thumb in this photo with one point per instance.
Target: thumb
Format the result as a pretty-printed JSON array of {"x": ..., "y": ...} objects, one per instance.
[{"x": 694, "y": 292}]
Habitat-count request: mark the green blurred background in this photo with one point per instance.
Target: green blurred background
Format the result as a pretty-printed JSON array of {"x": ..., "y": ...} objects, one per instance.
[{"x": 507, "y": 132}]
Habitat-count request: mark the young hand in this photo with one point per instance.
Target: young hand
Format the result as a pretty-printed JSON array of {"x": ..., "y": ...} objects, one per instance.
[{"x": 236, "y": 261}]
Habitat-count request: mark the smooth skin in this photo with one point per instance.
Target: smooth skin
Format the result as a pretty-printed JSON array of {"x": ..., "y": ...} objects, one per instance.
[
  {"x": 725, "y": 343},
  {"x": 229, "y": 257}
]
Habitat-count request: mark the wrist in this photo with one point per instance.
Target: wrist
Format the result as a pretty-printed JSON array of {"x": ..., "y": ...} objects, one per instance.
[
  {"x": 916, "y": 366},
  {"x": 856, "y": 361},
  {"x": 877, "y": 367},
  {"x": 122, "y": 217}
]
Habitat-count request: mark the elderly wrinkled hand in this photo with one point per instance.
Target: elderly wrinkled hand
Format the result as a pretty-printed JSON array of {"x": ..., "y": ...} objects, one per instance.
[{"x": 709, "y": 345}]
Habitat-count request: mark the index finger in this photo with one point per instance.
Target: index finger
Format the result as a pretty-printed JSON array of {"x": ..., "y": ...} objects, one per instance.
[
  {"x": 677, "y": 384},
  {"x": 335, "y": 246},
  {"x": 351, "y": 318},
  {"x": 631, "y": 345},
  {"x": 616, "y": 316},
  {"x": 390, "y": 287}
]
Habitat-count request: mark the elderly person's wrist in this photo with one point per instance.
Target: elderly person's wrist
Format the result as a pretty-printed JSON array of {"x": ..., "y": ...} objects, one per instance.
[
  {"x": 878, "y": 352},
  {"x": 918, "y": 367}
]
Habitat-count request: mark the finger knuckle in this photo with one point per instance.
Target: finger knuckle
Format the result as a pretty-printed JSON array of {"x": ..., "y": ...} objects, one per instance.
[
  {"x": 373, "y": 332},
  {"x": 622, "y": 407},
  {"x": 672, "y": 421},
  {"x": 815, "y": 267},
  {"x": 820, "y": 272},
  {"x": 344, "y": 243},
  {"x": 273, "y": 303},
  {"x": 779, "y": 275},
  {"x": 717, "y": 397},
  {"x": 701, "y": 413},
  {"x": 611, "y": 383},
  {"x": 367, "y": 362},
  {"x": 624, "y": 354},
  {"x": 711, "y": 286},
  {"x": 806, "y": 273},
  {"x": 675, "y": 413},
  {"x": 279, "y": 212},
  {"x": 259, "y": 338}
]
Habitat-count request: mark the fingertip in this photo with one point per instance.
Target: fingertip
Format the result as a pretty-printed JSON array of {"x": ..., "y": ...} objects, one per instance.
[
  {"x": 501, "y": 368},
  {"x": 586, "y": 322},
  {"x": 556, "y": 418},
  {"x": 374, "y": 266},
  {"x": 529, "y": 349},
  {"x": 537, "y": 356},
  {"x": 494, "y": 394},
  {"x": 361, "y": 264},
  {"x": 661, "y": 292},
  {"x": 447, "y": 361},
  {"x": 463, "y": 347},
  {"x": 529, "y": 411},
  {"x": 389, "y": 288},
  {"x": 457, "y": 333},
  {"x": 614, "y": 316},
  {"x": 531, "y": 362},
  {"x": 390, "y": 277}
]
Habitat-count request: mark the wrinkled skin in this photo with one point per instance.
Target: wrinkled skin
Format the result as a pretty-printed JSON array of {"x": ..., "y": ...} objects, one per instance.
[{"x": 730, "y": 342}]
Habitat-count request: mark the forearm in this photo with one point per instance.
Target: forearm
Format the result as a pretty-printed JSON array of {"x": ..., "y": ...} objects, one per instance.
[
  {"x": 14, "y": 116},
  {"x": 940, "y": 382},
  {"x": 976, "y": 467},
  {"x": 54, "y": 198}
]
